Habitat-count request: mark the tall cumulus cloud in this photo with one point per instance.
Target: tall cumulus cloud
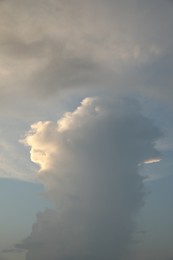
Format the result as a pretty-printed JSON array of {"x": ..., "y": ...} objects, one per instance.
[{"x": 89, "y": 164}]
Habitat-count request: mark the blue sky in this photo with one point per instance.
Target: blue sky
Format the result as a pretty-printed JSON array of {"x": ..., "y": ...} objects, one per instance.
[
  {"x": 85, "y": 101},
  {"x": 20, "y": 201}
]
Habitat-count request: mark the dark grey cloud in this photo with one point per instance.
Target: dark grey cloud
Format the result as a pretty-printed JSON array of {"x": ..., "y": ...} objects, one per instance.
[
  {"x": 28, "y": 245},
  {"x": 156, "y": 78},
  {"x": 50, "y": 47},
  {"x": 11, "y": 250},
  {"x": 72, "y": 73},
  {"x": 89, "y": 164},
  {"x": 2, "y": 258}
]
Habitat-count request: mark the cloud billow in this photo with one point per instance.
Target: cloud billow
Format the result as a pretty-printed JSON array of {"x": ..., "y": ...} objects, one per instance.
[{"x": 89, "y": 165}]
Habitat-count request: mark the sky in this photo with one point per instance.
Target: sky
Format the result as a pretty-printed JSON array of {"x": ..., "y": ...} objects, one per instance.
[{"x": 86, "y": 129}]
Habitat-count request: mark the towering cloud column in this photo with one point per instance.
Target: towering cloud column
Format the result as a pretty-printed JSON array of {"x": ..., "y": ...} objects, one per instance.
[{"x": 89, "y": 164}]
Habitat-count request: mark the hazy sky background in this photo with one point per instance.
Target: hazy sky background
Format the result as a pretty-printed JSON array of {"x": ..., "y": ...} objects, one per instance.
[{"x": 86, "y": 130}]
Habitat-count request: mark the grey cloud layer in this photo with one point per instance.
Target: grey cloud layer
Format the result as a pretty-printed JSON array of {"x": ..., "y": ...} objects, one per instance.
[
  {"x": 89, "y": 166},
  {"x": 55, "y": 45}
]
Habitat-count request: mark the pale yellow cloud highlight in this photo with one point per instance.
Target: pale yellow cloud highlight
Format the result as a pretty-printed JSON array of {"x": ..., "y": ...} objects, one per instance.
[
  {"x": 73, "y": 120},
  {"x": 47, "y": 139},
  {"x": 40, "y": 140},
  {"x": 152, "y": 160}
]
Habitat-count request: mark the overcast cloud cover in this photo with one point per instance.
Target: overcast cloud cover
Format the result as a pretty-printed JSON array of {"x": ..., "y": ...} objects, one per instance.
[
  {"x": 116, "y": 56},
  {"x": 47, "y": 46}
]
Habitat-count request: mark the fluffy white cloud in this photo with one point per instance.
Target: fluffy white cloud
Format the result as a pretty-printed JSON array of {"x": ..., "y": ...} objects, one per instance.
[{"x": 89, "y": 165}]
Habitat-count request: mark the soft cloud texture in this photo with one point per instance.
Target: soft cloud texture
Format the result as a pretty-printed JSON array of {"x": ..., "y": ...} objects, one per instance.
[
  {"x": 50, "y": 46},
  {"x": 89, "y": 165},
  {"x": 52, "y": 54}
]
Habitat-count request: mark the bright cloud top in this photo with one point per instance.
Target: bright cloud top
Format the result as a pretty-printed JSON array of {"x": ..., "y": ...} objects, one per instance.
[
  {"x": 48, "y": 139},
  {"x": 89, "y": 166}
]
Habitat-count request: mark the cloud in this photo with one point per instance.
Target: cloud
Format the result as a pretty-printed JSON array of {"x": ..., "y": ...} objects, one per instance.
[
  {"x": 152, "y": 160},
  {"x": 89, "y": 166},
  {"x": 11, "y": 250},
  {"x": 2, "y": 258},
  {"x": 56, "y": 46}
]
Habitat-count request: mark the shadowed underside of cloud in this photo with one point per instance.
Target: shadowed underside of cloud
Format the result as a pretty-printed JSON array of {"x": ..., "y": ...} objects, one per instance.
[
  {"x": 65, "y": 45},
  {"x": 89, "y": 166}
]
